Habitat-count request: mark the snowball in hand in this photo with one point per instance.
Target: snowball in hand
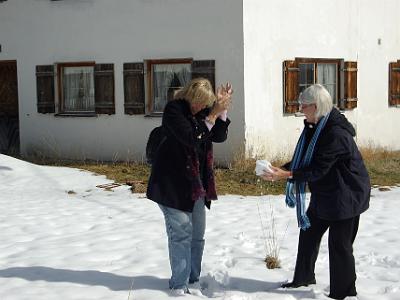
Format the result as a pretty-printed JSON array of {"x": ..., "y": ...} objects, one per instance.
[{"x": 263, "y": 166}]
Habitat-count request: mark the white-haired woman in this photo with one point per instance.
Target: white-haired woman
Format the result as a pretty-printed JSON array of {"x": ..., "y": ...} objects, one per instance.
[
  {"x": 328, "y": 160},
  {"x": 182, "y": 177}
]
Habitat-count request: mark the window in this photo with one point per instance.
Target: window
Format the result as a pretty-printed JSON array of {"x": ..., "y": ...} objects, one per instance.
[
  {"x": 394, "y": 83},
  {"x": 337, "y": 76},
  {"x": 163, "y": 78},
  {"x": 322, "y": 73},
  {"x": 87, "y": 88},
  {"x": 76, "y": 88},
  {"x": 84, "y": 89}
]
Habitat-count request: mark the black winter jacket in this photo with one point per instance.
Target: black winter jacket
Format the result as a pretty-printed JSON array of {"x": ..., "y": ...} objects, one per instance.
[
  {"x": 169, "y": 183},
  {"x": 337, "y": 177}
]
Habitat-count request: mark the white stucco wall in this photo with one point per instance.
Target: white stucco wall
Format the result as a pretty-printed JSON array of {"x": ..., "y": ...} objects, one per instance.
[
  {"x": 279, "y": 30},
  {"x": 44, "y": 32}
]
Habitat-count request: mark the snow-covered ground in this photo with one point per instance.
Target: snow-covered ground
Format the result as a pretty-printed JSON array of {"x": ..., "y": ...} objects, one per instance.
[{"x": 63, "y": 238}]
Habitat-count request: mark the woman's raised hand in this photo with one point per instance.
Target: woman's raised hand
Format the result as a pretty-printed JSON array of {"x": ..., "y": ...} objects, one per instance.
[
  {"x": 228, "y": 89},
  {"x": 224, "y": 97}
]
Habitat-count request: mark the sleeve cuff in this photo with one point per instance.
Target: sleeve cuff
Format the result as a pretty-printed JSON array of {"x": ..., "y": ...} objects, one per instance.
[
  {"x": 209, "y": 125},
  {"x": 224, "y": 115}
]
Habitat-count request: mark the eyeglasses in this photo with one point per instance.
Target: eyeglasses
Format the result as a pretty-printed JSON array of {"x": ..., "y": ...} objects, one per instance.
[{"x": 306, "y": 105}]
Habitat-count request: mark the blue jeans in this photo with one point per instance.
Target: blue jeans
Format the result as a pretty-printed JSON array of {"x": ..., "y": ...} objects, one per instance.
[{"x": 185, "y": 233}]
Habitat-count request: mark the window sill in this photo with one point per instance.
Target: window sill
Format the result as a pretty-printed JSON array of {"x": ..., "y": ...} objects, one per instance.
[{"x": 88, "y": 114}]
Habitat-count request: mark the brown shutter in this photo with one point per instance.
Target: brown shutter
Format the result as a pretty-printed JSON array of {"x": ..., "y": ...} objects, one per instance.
[
  {"x": 104, "y": 89},
  {"x": 45, "y": 89},
  {"x": 290, "y": 86},
  {"x": 8, "y": 89},
  {"x": 349, "y": 92},
  {"x": 394, "y": 83},
  {"x": 205, "y": 69},
  {"x": 134, "y": 88}
]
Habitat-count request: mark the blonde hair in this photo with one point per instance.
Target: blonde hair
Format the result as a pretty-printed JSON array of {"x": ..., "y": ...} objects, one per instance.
[
  {"x": 198, "y": 90},
  {"x": 317, "y": 94}
]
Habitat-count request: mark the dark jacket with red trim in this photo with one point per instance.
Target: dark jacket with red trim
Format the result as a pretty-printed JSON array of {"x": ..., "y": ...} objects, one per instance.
[{"x": 177, "y": 164}]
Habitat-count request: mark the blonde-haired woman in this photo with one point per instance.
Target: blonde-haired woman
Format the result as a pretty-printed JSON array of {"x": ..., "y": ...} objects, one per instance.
[{"x": 182, "y": 177}]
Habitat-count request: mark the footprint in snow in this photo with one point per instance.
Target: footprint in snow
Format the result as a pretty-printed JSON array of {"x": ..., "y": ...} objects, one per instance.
[{"x": 229, "y": 262}]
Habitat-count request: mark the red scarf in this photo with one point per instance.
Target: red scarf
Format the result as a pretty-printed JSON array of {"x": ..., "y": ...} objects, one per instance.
[{"x": 198, "y": 190}]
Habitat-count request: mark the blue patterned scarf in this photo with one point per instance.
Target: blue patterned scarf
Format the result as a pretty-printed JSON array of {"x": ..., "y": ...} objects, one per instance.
[{"x": 296, "y": 191}]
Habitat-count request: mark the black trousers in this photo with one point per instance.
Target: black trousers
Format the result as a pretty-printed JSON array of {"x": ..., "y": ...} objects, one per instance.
[{"x": 341, "y": 260}]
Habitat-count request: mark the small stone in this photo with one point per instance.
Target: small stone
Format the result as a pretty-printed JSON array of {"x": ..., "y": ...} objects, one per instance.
[{"x": 384, "y": 188}]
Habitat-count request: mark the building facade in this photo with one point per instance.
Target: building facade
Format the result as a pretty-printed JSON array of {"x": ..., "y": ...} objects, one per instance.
[{"x": 92, "y": 76}]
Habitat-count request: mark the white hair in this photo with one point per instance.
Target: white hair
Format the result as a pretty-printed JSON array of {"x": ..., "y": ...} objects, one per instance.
[{"x": 318, "y": 95}]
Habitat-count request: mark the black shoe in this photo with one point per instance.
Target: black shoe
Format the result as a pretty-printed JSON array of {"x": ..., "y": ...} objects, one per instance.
[
  {"x": 294, "y": 284},
  {"x": 341, "y": 297}
]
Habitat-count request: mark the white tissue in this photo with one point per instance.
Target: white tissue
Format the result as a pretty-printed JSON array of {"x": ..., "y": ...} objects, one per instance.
[{"x": 263, "y": 166}]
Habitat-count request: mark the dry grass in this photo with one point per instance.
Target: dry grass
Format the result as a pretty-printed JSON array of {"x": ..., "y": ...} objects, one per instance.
[
  {"x": 272, "y": 262},
  {"x": 383, "y": 166},
  {"x": 134, "y": 174},
  {"x": 240, "y": 178},
  {"x": 268, "y": 228}
]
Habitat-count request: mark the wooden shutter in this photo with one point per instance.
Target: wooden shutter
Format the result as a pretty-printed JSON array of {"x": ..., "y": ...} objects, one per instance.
[
  {"x": 104, "y": 89},
  {"x": 45, "y": 89},
  {"x": 205, "y": 69},
  {"x": 291, "y": 73},
  {"x": 349, "y": 86},
  {"x": 394, "y": 83},
  {"x": 8, "y": 89},
  {"x": 134, "y": 88}
]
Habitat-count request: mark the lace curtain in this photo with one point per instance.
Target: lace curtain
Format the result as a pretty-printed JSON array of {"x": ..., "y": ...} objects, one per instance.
[
  {"x": 326, "y": 75},
  {"x": 78, "y": 89},
  {"x": 168, "y": 77}
]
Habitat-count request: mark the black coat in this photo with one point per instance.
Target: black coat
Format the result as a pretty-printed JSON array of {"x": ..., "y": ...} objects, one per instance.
[
  {"x": 169, "y": 182},
  {"x": 337, "y": 177}
]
